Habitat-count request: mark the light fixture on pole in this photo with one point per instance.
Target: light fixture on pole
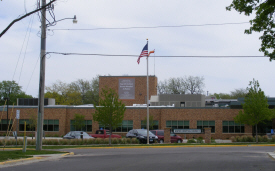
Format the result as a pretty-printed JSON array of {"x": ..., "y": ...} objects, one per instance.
[{"x": 40, "y": 112}]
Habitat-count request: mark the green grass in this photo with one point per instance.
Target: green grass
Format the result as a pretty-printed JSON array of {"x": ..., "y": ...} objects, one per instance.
[{"x": 18, "y": 154}]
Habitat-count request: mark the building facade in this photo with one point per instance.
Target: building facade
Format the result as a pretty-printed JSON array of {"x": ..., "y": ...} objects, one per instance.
[{"x": 188, "y": 112}]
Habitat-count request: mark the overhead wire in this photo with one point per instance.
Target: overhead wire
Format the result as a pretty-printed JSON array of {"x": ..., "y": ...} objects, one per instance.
[
  {"x": 164, "y": 56},
  {"x": 26, "y": 47},
  {"x": 21, "y": 49},
  {"x": 153, "y": 27}
]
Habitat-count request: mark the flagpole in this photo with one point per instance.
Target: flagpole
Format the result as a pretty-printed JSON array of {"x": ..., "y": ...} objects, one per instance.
[{"x": 147, "y": 98}]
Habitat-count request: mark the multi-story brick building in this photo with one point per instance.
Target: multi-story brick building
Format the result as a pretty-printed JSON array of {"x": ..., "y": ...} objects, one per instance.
[{"x": 185, "y": 112}]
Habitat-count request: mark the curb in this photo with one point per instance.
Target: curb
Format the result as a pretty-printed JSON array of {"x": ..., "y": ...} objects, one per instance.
[
  {"x": 35, "y": 158},
  {"x": 178, "y": 146}
]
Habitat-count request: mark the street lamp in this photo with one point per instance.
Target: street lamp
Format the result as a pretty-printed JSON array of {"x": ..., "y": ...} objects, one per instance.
[{"x": 40, "y": 111}]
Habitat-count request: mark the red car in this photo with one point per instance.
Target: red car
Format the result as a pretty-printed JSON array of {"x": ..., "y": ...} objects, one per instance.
[{"x": 160, "y": 133}]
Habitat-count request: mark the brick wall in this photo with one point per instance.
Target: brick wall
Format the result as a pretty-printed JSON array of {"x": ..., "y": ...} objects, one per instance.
[{"x": 140, "y": 87}]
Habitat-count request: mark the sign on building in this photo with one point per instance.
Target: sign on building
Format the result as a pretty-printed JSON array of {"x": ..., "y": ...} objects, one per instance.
[
  {"x": 126, "y": 88},
  {"x": 187, "y": 131}
]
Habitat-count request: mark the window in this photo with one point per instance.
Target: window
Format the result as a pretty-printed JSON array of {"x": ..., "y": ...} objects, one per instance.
[
  {"x": 22, "y": 125},
  {"x": 3, "y": 124},
  {"x": 125, "y": 126},
  {"x": 144, "y": 125},
  {"x": 232, "y": 127},
  {"x": 87, "y": 127},
  {"x": 177, "y": 125},
  {"x": 206, "y": 124},
  {"x": 51, "y": 125}
]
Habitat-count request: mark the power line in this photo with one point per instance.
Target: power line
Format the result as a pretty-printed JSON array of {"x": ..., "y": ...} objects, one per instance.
[
  {"x": 152, "y": 27},
  {"x": 165, "y": 56}
]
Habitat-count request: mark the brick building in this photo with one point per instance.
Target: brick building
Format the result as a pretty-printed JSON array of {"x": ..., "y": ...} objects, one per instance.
[{"x": 58, "y": 119}]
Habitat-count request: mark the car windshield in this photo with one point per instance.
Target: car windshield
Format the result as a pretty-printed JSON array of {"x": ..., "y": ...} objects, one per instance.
[{"x": 144, "y": 132}]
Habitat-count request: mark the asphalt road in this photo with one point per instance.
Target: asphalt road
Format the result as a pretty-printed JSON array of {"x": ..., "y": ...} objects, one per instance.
[{"x": 142, "y": 159}]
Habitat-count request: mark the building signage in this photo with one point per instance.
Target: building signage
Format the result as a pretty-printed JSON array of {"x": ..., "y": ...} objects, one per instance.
[
  {"x": 126, "y": 88},
  {"x": 187, "y": 131},
  {"x": 17, "y": 114}
]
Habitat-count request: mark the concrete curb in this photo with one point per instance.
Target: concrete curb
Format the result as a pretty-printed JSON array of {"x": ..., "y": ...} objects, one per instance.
[
  {"x": 34, "y": 158},
  {"x": 271, "y": 155},
  {"x": 178, "y": 146}
]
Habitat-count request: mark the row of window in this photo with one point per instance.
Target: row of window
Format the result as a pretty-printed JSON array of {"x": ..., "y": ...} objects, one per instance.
[{"x": 127, "y": 125}]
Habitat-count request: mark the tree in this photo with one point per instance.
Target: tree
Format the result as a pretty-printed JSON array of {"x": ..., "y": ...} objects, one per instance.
[
  {"x": 32, "y": 122},
  {"x": 110, "y": 113},
  {"x": 237, "y": 93},
  {"x": 263, "y": 22},
  {"x": 182, "y": 85},
  {"x": 79, "y": 122},
  {"x": 12, "y": 90},
  {"x": 255, "y": 107},
  {"x": 151, "y": 122},
  {"x": 194, "y": 84},
  {"x": 75, "y": 93}
]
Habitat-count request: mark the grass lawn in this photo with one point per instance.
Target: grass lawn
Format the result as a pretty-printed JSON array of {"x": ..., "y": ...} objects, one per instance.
[{"x": 18, "y": 154}]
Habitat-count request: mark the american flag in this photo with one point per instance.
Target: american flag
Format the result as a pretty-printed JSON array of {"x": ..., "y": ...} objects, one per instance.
[{"x": 144, "y": 52}]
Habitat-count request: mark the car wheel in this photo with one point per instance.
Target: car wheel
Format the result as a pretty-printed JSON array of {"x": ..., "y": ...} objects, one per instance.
[
  {"x": 179, "y": 141},
  {"x": 161, "y": 141}
]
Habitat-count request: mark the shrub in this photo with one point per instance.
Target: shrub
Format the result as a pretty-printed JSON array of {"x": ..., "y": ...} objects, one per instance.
[
  {"x": 233, "y": 139},
  {"x": 238, "y": 139},
  {"x": 31, "y": 142},
  {"x": 250, "y": 138},
  {"x": 64, "y": 142},
  {"x": 200, "y": 140},
  {"x": 265, "y": 138},
  {"x": 244, "y": 138},
  {"x": 260, "y": 138},
  {"x": 191, "y": 141},
  {"x": 273, "y": 138},
  {"x": 115, "y": 141}
]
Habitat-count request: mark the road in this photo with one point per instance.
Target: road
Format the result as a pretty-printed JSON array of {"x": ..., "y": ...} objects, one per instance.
[{"x": 141, "y": 159}]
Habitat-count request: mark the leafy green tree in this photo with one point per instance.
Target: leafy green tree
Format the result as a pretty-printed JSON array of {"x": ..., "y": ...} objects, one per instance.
[
  {"x": 76, "y": 93},
  {"x": 255, "y": 107},
  {"x": 32, "y": 121},
  {"x": 263, "y": 22},
  {"x": 151, "y": 122},
  {"x": 12, "y": 90},
  {"x": 237, "y": 93},
  {"x": 110, "y": 113},
  {"x": 79, "y": 122}
]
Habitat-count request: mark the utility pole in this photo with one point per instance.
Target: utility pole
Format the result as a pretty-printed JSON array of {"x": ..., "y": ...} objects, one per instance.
[{"x": 40, "y": 114}]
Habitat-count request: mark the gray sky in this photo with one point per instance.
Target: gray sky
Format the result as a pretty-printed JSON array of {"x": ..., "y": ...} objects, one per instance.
[{"x": 19, "y": 49}]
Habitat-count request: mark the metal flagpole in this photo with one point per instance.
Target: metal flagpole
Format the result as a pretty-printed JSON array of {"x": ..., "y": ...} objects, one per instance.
[{"x": 147, "y": 97}]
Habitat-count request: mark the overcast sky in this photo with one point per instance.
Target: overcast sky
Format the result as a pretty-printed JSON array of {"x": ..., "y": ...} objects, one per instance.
[{"x": 20, "y": 48}]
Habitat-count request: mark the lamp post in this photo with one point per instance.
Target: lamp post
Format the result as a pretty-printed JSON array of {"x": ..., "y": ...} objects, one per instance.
[{"x": 40, "y": 112}]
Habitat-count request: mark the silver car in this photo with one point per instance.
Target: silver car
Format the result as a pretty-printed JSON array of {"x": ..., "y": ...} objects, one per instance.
[{"x": 76, "y": 135}]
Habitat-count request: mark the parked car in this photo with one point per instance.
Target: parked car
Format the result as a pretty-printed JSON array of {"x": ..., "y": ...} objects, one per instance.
[
  {"x": 76, "y": 135},
  {"x": 160, "y": 133},
  {"x": 104, "y": 133},
  {"x": 141, "y": 135}
]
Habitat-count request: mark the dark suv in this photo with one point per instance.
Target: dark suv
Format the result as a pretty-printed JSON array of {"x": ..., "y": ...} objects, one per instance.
[
  {"x": 141, "y": 135},
  {"x": 160, "y": 133}
]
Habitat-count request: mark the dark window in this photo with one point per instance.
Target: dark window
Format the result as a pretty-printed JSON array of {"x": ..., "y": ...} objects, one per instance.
[
  {"x": 87, "y": 126},
  {"x": 4, "y": 124},
  {"x": 177, "y": 125},
  {"x": 125, "y": 126},
  {"x": 51, "y": 125},
  {"x": 232, "y": 127},
  {"x": 22, "y": 125},
  {"x": 144, "y": 125},
  {"x": 206, "y": 124}
]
